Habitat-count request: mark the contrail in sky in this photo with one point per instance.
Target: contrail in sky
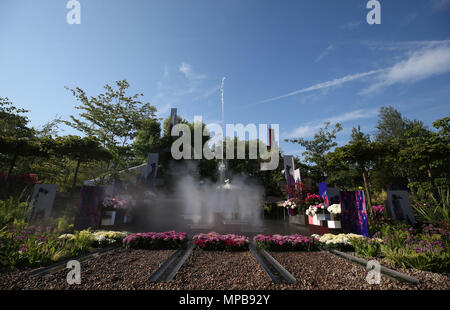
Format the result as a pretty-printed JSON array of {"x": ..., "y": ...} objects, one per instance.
[{"x": 327, "y": 84}]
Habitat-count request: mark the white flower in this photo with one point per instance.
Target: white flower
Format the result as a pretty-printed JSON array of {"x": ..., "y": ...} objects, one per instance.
[{"x": 334, "y": 209}]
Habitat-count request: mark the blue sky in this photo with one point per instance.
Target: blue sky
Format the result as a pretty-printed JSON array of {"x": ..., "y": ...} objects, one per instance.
[{"x": 294, "y": 63}]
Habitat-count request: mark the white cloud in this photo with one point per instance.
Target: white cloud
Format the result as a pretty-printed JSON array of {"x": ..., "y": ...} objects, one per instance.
[
  {"x": 186, "y": 69},
  {"x": 189, "y": 73},
  {"x": 419, "y": 66},
  {"x": 178, "y": 89},
  {"x": 308, "y": 130},
  {"x": 325, "y": 53},
  {"x": 430, "y": 60},
  {"x": 335, "y": 82}
]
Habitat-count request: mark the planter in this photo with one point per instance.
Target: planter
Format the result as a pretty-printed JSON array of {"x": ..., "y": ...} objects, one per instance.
[
  {"x": 108, "y": 218},
  {"x": 298, "y": 219},
  {"x": 320, "y": 217},
  {"x": 335, "y": 217},
  {"x": 334, "y": 224},
  {"x": 320, "y": 230}
]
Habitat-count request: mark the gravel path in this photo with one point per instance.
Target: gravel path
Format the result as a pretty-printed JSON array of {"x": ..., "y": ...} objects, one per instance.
[
  {"x": 131, "y": 269},
  {"x": 324, "y": 271},
  {"x": 207, "y": 270},
  {"x": 119, "y": 269}
]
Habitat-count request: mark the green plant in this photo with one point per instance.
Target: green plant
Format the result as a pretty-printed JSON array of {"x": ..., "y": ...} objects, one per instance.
[
  {"x": 83, "y": 241},
  {"x": 438, "y": 261},
  {"x": 426, "y": 248},
  {"x": 437, "y": 210},
  {"x": 29, "y": 246},
  {"x": 366, "y": 247},
  {"x": 12, "y": 209},
  {"x": 63, "y": 225}
]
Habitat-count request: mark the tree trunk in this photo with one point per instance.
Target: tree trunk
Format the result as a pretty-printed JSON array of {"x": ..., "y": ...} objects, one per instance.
[
  {"x": 76, "y": 174},
  {"x": 11, "y": 167},
  {"x": 366, "y": 185},
  {"x": 13, "y": 163}
]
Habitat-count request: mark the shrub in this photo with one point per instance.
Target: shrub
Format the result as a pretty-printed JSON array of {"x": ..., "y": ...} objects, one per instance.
[
  {"x": 366, "y": 247},
  {"x": 285, "y": 243},
  {"x": 434, "y": 210},
  {"x": 12, "y": 209},
  {"x": 431, "y": 260},
  {"x": 28, "y": 246},
  {"x": 425, "y": 249},
  {"x": 216, "y": 242}
]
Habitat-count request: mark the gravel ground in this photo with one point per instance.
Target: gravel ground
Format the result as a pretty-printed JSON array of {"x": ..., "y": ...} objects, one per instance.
[
  {"x": 207, "y": 270},
  {"x": 324, "y": 271},
  {"x": 131, "y": 269},
  {"x": 119, "y": 269}
]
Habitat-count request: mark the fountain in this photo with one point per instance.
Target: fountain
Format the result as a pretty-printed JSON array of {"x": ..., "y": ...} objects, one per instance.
[{"x": 224, "y": 206}]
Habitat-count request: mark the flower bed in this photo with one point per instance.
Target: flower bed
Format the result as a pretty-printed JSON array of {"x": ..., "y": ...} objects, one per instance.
[
  {"x": 100, "y": 239},
  {"x": 426, "y": 248},
  {"x": 28, "y": 246},
  {"x": 155, "y": 241},
  {"x": 367, "y": 247},
  {"x": 285, "y": 243},
  {"x": 216, "y": 242},
  {"x": 339, "y": 242}
]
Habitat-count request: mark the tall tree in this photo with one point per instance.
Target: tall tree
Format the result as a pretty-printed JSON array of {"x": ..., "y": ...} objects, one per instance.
[
  {"x": 16, "y": 138},
  {"x": 391, "y": 125},
  {"x": 428, "y": 151},
  {"x": 16, "y": 147},
  {"x": 148, "y": 137},
  {"x": 12, "y": 121},
  {"x": 361, "y": 153},
  {"x": 81, "y": 150},
  {"x": 319, "y": 146},
  {"x": 113, "y": 117}
]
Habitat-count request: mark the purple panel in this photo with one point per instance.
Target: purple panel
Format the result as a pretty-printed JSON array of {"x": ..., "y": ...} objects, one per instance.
[
  {"x": 89, "y": 210},
  {"x": 354, "y": 214}
]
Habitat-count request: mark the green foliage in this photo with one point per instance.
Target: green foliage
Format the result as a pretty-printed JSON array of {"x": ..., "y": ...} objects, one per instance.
[
  {"x": 317, "y": 148},
  {"x": 409, "y": 258},
  {"x": 29, "y": 246},
  {"x": 63, "y": 225},
  {"x": 360, "y": 153},
  {"x": 391, "y": 125},
  {"x": 366, "y": 247},
  {"x": 83, "y": 241},
  {"x": 81, "y": 150},
  {"x": 434, "y": 210},
  {"x": 12, "y": 123},
  {"x": 12, "y": 209},
  {"x": 113, "y": 117},
  {"x": 425, "y": 249},
  {"x": 148, "y": 138}
]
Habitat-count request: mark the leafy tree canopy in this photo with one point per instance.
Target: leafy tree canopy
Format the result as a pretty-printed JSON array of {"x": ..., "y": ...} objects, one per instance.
[{"x": 319, "y": 146}]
